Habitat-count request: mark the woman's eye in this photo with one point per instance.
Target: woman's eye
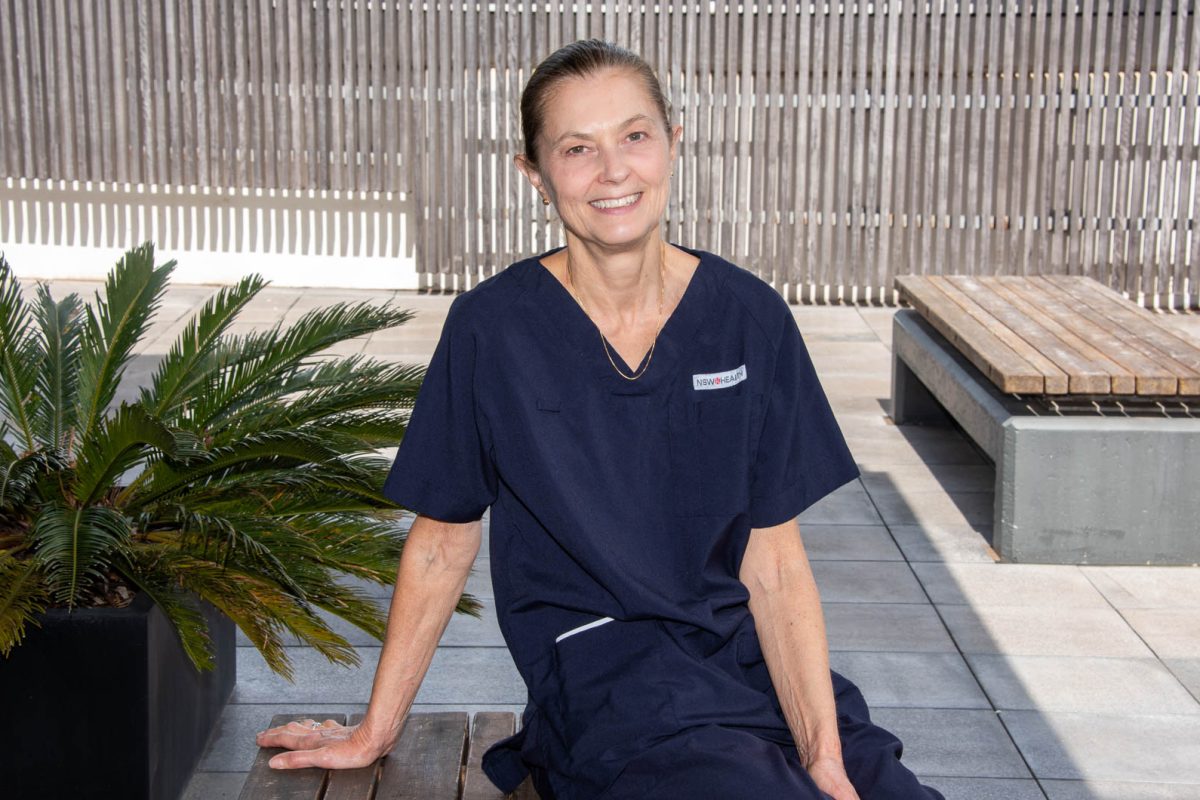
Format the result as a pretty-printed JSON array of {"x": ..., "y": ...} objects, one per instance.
[
  {"x": 576, "y": 150},
  {"x": 637, "y": 136}
]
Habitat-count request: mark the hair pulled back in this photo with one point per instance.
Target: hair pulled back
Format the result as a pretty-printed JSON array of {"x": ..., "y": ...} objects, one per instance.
[{"x": 580, "y": 59}]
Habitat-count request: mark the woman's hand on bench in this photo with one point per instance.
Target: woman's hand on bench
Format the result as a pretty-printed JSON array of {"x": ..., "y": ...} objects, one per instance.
[{"x": 327, "y": 745}]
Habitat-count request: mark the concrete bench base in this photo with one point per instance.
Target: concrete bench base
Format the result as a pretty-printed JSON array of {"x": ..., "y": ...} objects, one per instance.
[{"x": 1076, "y": 489}]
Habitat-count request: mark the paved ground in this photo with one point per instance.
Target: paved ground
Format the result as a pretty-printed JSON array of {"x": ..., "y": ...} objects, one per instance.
[{"x": 1004, "y": 681}]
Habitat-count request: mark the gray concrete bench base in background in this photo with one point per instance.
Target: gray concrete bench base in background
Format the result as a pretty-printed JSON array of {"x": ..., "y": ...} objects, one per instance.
[{"x": 1078, "y": 489}]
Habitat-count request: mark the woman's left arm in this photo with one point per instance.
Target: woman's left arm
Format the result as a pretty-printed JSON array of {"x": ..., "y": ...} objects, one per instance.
[{"x": 787, "y": 614}]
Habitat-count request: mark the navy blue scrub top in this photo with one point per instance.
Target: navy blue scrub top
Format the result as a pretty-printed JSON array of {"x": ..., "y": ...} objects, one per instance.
[{"x": 621, "y": 509}]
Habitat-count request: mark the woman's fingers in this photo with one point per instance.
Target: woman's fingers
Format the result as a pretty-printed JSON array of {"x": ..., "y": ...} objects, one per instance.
[
  {"x": 303, "y": 734},
  {"x": 334, "y": 755}
]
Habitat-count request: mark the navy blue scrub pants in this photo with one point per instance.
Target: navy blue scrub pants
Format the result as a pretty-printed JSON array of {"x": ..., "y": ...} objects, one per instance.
[{"x": 712, "y": 762}]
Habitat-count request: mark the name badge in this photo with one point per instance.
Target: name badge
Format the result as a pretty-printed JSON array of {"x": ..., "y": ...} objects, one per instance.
[{"x": 719, "y": 380}]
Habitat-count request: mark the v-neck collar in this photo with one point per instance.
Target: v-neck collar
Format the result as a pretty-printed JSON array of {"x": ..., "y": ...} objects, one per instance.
[{"x": 557, "y": 302}]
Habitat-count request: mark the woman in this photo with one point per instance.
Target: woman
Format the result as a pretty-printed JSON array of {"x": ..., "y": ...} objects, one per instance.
[{"x": 649, "y": 575}]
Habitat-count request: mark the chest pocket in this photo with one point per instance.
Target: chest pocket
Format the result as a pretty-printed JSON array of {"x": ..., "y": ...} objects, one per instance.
[{"x": 711, "y": 446}]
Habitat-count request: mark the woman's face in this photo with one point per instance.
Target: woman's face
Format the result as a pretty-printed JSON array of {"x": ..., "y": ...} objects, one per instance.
[{"x": 604, "y": 158}]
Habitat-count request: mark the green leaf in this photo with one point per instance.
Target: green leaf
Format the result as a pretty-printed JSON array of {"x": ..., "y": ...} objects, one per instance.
[
  {"x": 75, "y": 546},
  {"x": 187, "y": 367},
  {"x": 265, "y": 450},
  {"x": 58, "y": 378},
  {"x": 141, "y": 568},
  {"x": 257, "y": 366},
  {"x": 22, "y": 597},
  {"x": 132, "y": 294},
  {"x": 20, "y": 358},
  {"x": 17, "y": 478},
  {"x": 117, "y": 444}
]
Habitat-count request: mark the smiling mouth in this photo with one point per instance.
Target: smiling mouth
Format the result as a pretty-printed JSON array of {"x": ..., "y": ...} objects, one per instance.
[{"x": 617, "y": 202}]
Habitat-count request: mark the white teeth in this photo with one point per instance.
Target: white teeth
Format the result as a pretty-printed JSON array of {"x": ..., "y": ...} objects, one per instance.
[{"x": 618, "y": 202}]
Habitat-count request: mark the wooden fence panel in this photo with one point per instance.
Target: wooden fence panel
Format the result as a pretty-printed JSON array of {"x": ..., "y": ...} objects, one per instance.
[{"x": 828, "y": 147}]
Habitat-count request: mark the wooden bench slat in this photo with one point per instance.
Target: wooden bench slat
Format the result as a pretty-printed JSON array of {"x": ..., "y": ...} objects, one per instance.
[
  {"x": 1037, "y": 307},
  {"x": 487, "y": 728},
  {"x": 1141, "y": 325},
  {"x": 1083, "y": 375},
  {"x": 990, "y": 354},
  {"x": 352, "y": 784},
  {"x": 1154, "y": 373},
  {"x": 293, "y": 784},
  {"x": 426, "y": 763},
  {"x": 1054, "y": 379}
]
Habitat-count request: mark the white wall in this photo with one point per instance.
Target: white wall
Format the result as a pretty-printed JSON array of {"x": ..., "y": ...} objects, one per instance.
[{"x": 68, "y": 230}]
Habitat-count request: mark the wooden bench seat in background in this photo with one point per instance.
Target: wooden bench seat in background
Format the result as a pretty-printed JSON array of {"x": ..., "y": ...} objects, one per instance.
[
  {"x": 1088, "y": 404},
  {"x": 437, "y": 758}
]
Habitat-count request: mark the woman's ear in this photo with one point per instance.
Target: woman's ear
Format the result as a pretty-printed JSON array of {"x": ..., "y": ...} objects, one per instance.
[
  {"x": 532, "y": 175},
  {"x": 676, "y": 135}
]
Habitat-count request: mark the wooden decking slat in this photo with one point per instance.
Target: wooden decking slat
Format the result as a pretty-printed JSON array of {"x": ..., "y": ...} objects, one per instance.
[
  {"x": 487, "y": 728},
  {"x": 294, "y": 784},
  {"x": 1171, "y": 348},
  {"x": 1055, "y": 380},
  {"x": 352, "y": 784},
  {"x": 980, "y": 345},
  {"x": 1101, "y": 373},
  {"x": 1152, "y": 376},
  {"x": 1084, "y": 375},
  {"x": 425, "y": 763},
  {"x": 1070, "y": 332}
]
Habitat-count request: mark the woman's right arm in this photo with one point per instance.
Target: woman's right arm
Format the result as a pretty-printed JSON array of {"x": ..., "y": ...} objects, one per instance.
[{"x": 434, "y": 567}]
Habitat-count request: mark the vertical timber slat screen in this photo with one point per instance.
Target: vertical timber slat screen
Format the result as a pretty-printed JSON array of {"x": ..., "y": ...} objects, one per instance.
[{"x": 827, "y": 146}]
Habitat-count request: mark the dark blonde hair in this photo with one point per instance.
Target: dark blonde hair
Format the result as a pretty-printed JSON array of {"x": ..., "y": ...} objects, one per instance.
[{"x": 580, "y": 60}]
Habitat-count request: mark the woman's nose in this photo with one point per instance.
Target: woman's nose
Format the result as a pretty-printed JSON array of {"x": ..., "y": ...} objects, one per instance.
[{"x": 612, "y": 165}]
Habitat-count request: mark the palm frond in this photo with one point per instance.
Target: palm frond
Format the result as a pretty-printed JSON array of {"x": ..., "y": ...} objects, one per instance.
[
  {"x": 58, "y": 378},
  {"x": 118, "y": 442},
  {"x": 19, "y": 476},
  {"x": 254, "y": 364},
  {"x": 20, "y": 357},
  {"x": 75, "y": 546},
  {"x": 188, "y": 364},
  {"x": 132, "y": 294},
  {"x": 22, "y": 597},
  {"x": 6, "y": 449},
  {"x": 140, "y": 567},
  {"x": 269, "y": 450}
]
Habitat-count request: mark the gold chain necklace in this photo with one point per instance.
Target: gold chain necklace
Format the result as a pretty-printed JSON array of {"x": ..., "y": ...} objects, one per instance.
[{"x": 662, "y": 260}]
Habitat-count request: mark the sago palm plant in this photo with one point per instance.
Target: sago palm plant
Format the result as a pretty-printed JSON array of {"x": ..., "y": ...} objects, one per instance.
[{"x": 246, "y": 473}]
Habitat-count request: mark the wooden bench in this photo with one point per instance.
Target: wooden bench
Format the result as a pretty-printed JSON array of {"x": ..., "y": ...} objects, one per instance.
[
  {"x": 1088, "y": 404},
  {"x": 437, "y": 758}
]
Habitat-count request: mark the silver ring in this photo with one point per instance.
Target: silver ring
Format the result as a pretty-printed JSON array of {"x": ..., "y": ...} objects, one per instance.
[{"x": 316, "y": 725}]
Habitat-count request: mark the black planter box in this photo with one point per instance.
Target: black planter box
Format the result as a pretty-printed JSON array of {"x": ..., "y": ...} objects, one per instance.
[{"x": 102, "y": 703}]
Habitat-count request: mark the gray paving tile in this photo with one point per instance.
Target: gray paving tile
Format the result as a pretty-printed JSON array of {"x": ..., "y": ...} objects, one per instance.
[
  {"x": 1097, "y": 685},
  {"x": 878, "y": 451},
  {"x": 457, "y": 674},
  {"x": 1187, "y": 670},
  {"x": 215, "y": 786},
  {"x": 859, "y": 386},
  {"x": 1051, "y": 631},
  {"x": 849, "y": 543},
  {"x": 867, "y": 582},
  {"x": 1108, "y": 747},
  {"x": 955, "y": 743},
  {"x": 986, "y": 788},
  {"x": 911, "y": 680},
  {"x": 945, "y": 543},
  {"x": 1170, "y": 632},
  {"x": 960, "y": 509},
  {"x": 1009, "y": 585},
  {"x": 1148, "y": 587},
  {"x": 887, "y": 627},
  {"x": 849, "y": 505},
  {"x": 1119, "y": 790},
  {"x": 930, "y": 478}
]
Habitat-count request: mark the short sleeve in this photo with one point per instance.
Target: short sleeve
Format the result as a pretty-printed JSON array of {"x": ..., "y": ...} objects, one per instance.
[
  {"x": 443, "y": 468},
  {"x": 801, "y": 454}
]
